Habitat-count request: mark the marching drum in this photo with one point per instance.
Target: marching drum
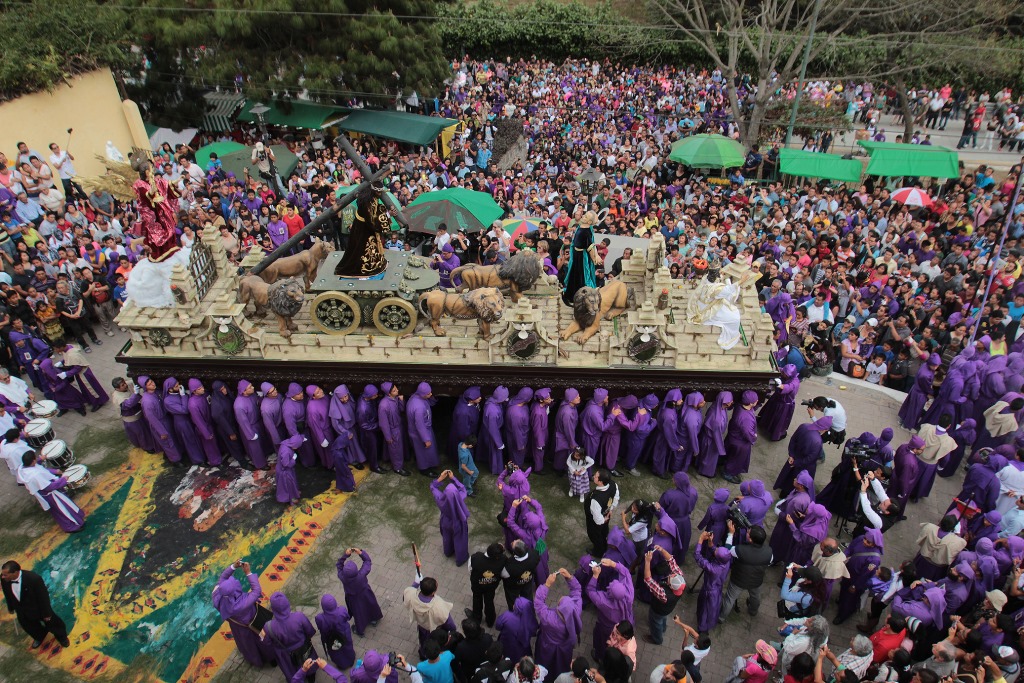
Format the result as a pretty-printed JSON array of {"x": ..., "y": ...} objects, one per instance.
[
  {"x": 57, "y": 454},
  {"x": 44, "y": 409},
  {"x": 38, "y": 433},
  {"x": 77, "y": 476}
]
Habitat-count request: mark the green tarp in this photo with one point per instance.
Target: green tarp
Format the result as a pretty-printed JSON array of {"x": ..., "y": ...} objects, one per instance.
[
  {"x": 296, "y": 114},
  {"x": 817, "y": 165},
  {"x": 928, "y": 161},
  {"x": 396, "y": 125}
]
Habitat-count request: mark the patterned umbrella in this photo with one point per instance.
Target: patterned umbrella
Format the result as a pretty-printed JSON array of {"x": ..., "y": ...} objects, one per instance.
[
  {"x": 517, "y": 227},
  {"x": 912, "y": 196}
]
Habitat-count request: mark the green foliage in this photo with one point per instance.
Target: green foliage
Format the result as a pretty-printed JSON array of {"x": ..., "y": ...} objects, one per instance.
[
  {"x": 48, "y": 41},
  {"x": 811, "y": 118}
]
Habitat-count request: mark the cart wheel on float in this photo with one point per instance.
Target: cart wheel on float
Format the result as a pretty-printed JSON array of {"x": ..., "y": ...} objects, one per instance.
[
  {"x": 335, "y": 313},
  {"x": 394, "y": 317}
]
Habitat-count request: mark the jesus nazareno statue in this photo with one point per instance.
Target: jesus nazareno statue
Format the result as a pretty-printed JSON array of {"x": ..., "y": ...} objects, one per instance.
[{"x": 364, "y": 256}]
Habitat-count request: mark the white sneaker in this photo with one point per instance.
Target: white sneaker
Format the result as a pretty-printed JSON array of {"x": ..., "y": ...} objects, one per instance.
[
  {"x": 635, "y": 472},
  {"x": 109, "y": 333},
  {"x": 582, "y": 497},
  {"x": 570, "y": 494}
]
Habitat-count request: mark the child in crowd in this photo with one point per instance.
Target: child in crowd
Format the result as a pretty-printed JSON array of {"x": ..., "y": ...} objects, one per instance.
[
  {"x": 579, "y": 478},
  {"x": 467, "y": 467},
  {"x": 876, "y": 369}
]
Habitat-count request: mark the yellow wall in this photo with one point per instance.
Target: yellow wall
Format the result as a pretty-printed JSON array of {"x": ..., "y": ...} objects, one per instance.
[{"x": 90, "y": 105}]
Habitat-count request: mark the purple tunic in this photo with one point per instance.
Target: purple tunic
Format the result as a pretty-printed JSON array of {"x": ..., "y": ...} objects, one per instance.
[
  {"x": 238, "y": 607},
  {"x": 778, "y": 410},
  {"x": 712, "y": 435},
  {"x": 593, "y": 424},
  {"x": 202, "y": 419},
  {"x": 679, "y": 503},
  {"x": 369, "y": 428},
  {"x": 516, "y": 629},
  {"x": 176, "y": 406},
  {"x": 465, "y": 419},
  {"x": 905, "y": 471},
  {"x": 389, "y": 416},
  {"x": 715, "y": 516},
  {"x": 666, "y": 442},
  {"x": 782, "y": 537},
  {"x": 689, "y": 432},
  {"x": 420, "y": 421},
  {"x": 359, "y": 596},
  {"x": 913, "y": 406},
  {"x": 222, "y": 412},
  {"x": 451, "y": 501},
  {"x": 333, "y": 621},
  {"x": 159, "y": 424},
  {"x": 614, "y": 604},
  {"x": 26, "y": 349},
  {"x": 566, "y": 421},
  {"x": 517, "y": 426},
  {"x": 287, "y": 485},
  {"x": 559, "y": 628},
  {"x": 293, "y": 415},
  {"x": 804, "y": 449},
  {"x": 709, "y": 601},
  {"x": 539, "y": 428},
  {"x": 611, "y": 441},
  {"x": 69, "y": 517},
  {"x": 319, "y": 424},
  {"x": 287, "y": 632},
  {"x": 270, "y": 412},
  {"x": 492, "y": 419},
  {"x": 135, "y": 427},
  {"x": 528, "y": 523},
  {"x": 965, "y": 437},
  {"x": 64, "y": 393},
  {"x": 739, "y": 441},
  {"x": 947, "y": 400},
  {"x": 808, "y": 532},
  {"x": 247, "y": 413},
  {"x": 638, "y": 441}
]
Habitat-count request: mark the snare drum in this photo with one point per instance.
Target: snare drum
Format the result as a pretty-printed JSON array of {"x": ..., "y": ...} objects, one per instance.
[
  {"x": 38, "y": 433},
  {"x": 44, "y": 409},
  {"x": 77, "y": 476},
  {"x": 58, "y": 454}
]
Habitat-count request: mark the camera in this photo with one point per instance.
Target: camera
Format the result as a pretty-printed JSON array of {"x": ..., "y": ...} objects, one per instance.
[
  {"x": 738, "y": 517},
  {"x": 392, "y": 659},
  {"x": 808, "y": 403}
]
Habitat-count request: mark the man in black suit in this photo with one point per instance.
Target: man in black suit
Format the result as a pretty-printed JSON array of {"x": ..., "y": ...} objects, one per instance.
[{"x": 26, "y": 595}]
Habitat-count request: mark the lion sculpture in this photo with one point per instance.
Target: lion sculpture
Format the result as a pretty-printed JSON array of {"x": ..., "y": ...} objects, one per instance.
[
  {"x": 516, "y": 275},
  {"x": 304, "y": 263},
  {"x": 486, "y": 305},
  {"x": 592, "y": 305},
  {"x": 284, "y": 298}
]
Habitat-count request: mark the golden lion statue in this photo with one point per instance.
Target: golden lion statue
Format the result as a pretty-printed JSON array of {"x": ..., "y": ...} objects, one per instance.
[
  {"x": 517, "y": 274},
  {"x": 284, "y": 298},
  {"x": 304, "y": 263},
  {"x": 486, "y": 305},
  {"x": 592, "y": 305}
]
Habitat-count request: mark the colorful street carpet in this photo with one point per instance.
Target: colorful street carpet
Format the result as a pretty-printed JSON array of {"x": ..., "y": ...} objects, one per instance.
[{"x": 137, "y": 580}]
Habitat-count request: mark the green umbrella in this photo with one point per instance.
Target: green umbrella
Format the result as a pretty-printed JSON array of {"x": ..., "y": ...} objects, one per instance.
[
  {"x": 708, "y": 151},
  {"x": 218, "y": 148},
  {"x": 349, "y": 212},
  {"x": 238, "y": 161},
  {"x": 456, "y": 207}
]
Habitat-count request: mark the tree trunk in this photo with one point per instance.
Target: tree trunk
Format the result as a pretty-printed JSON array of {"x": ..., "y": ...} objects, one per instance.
[{"x": 908, "y": 114}]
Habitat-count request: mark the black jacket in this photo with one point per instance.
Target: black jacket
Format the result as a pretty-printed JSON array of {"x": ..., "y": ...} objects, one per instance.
[{"x": 35, "y": 598}]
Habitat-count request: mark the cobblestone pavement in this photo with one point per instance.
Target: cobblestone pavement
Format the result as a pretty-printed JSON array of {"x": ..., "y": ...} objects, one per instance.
[{"x": 868, "y": 409}]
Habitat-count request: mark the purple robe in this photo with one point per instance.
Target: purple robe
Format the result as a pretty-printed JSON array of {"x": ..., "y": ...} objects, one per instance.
[
  {"x": 270, "y": 414},
  {"x": 947, "y": 399},
  {"x": 709, "y": 601},
  {"x": 319, "y": 424},
  {"x": 566, "y": 421},
  {"x": 679, "y": 503},
  {"x": 238, "y": 607},
  {"x": 371, "y": 669},
  {"x": 689, "y": 432},
  {"x": 638, "y": 441},
  {"x": 293, "y": 416},
  {"x": 981, "y": 484},
  {"x": 808, "y": 532},
  {"x": 444, "y": 267},
  {"x": 176, "y": 406},
  {"x": 964, "y": 436},
  {"x": 712, "y": 435},
  {"x": 782, "y": 537},
  {"x": 222, "y": 412},
  {"x": 611, "y": 441},
  {"x": 913, "y": 406},
  {"x": 287, "y": 484},
  {"x": 135, "y": 427},
  {"x": 27, "y": 349},
  {"x": 46, "y": 484},
  {"x": 512, "y": 486},
  {"x": 420, "y": 420},
  {"x": 804, "y": 449},
  {"x": 715, "y": 516},
  {"x": 756, "y": 501},
  {"x": 539, "y": 428},
  {"x": 528, "y": 523},
  {"x": 389, "y": 416},
  {"x": 666, "y": 442},
  {"x": 84, "y": 375},
  {"x": 740, "y": 440},
  {"x": 517, "y": 426},
  {"x": 287, "y": 631},
  {"x": 465, "y": 419},
  {"x": 516, "y": 629},
  {"x": 159, "y": 424},
  {"x": 614, "y": 603},
  {"x": 359, "y": 596},
  {"x": 202, "y": 420},
  {"x": 247, "y": 413},
  {"x": 64, "y": 393},
  {"x": 333, "y": 621},
  {"x": 593, "y": 424},
  {"x": 491, "y": 444},
  {"x": 369, "y": 427},
  {"x": 454, "y": 524},
  {"x": 777, "y": 412},
  {"x": 559, "y": 628},
  {"x": 905, "y": 472}
]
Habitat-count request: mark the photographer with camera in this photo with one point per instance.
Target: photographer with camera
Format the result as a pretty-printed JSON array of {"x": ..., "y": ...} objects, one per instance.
[
  {"x": 377, "y": 666},
  {"x": 840, "y": 494},
  {"x": 751, "y": 561},
  {"x": 803, "y": 592},
  {"x": 829, "y": 408}
]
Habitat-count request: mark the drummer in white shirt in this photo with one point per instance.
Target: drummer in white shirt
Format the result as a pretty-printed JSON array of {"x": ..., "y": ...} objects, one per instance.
[
  {"x": 11, "y": 450},
  {"x": 15, "y": 390}
]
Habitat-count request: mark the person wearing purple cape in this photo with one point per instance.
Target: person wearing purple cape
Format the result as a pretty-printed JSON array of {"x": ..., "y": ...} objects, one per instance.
[
  {"x": 1001, "y": 421},
  {"x": 450, "y": 496},
  {"x": 937, "y": 444},
  {"x": 594, "y": 423},
  {"x": 777, "y": 412},
  {"x": 716, "y": 515},
  {"x": 1014, "y": 379},
  {"x": 159, "y": 424},
  {"x": 28, "y": 351},
  {"x": 664, "y": 533},
  {"x": 202, "y": 420},
  {"x": 781, "y": 310},
  {"x": 128, "y": 400},
  {"x": 369, "y": 427},
  {"x": 335, "y": 632},
  {"x": 804, "y": 449},
  {"x": 884, "y": 445},
  {"x": 288, "y": 632},
  {"x": 992, "y": 386},
  {"x": 905, "y": 470},
  {"x": 287, "y": 484},
  {"x": 807, "y": 531},
  {"x": 389, "y": 417},
  {"x": 611, "y": 440},
  {"x": 638, "y": 440},
  {"x": 715, "y": 562},
  {"x": 755, "y": 502},
  {"x": 678, "y": 503},
  {"x": 247, "y": 414},
  {"x": 981, "y": 485},
  {"x": 794, "y": 505},
  {"x": 566, "y": 422},
  {"x": 270, "y": 414},
  {"x": 465, "y": 419},
  {"x": 689, "y": 432},
  {"x": 614, "y": 603},
  {"x": 374, "y": 667},
  {"x": 517, "y": 426},
  {"x": 340, "y": 453},
  {"x": 539, "y": 410},
  {"x": 318, "y": 421},
  {"x": 176, "y": 405},
  {"x": 740, "y": 438},
  {"x": 526, "y": 521},
  {"x": 46, "y": 484},
  {"x": 359, "y": 596},
  {"x": 420, "y": 422},
  {"x": 666, "y": 442},
  {"x": 559, "y": 627},
  {"x": 516, "y": 629},
  {"x": 75, "y": 362},
  {"x": 491, "y": 446},
  {"x": 293, "y": 416},
  {"x": 222, "y": 412},
  {"x": 238, "y": 608},
  {"x": 912, "y": 408},
  {"x": 513, "y": 486},
  {"x": 964, "y": 435},
  {"x": 307, "y": 672},
  {"x": 947, "y": 399},
  {"x": 63, "y": 392},
  {"x": 712, "y": 435}
]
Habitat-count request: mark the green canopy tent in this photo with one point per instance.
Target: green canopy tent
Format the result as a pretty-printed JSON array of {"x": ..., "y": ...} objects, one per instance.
[
  {"x": 456, "y": 207},
  {"x": 414, "y": 129},
  {"x": 708, "y": 151},
  {"x": 294, "y": 113},
  {"x": 238, "y": 161},
  {"x": 218, "y": 148},
  {"x": 896, "y": 159},
  {"x": 798, "y": 162}
]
